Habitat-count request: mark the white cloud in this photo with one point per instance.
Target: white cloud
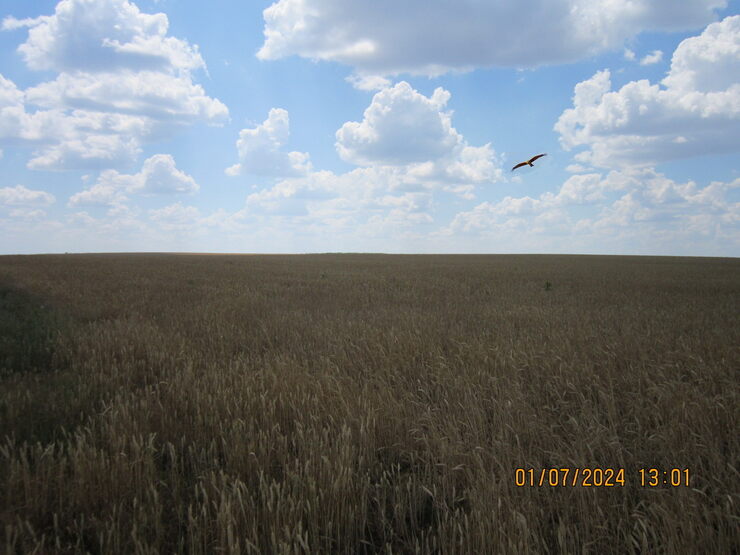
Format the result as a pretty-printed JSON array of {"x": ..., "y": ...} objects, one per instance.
[
  {"x": 407, "y": 149},
  {"x": 405, "y": 129},
  {"x": 709, "y": 62},
  {"x": 120, "y": 223},
  {"x": 465, "y": 165},
  {"x": 679, "y": 208},
  {"x": 653, "y": 58},
  {"x": 647, "y": 204},
  {"x": 576, "y": 168},
  {"x": 629, "y": 54},
  {"x": 27, "y": 214},
  {"x": 81, "y": 218},
  {"x": 158, "y": 175},
  {"x": 696, "y": 111},
  {"x": 11, "y": 23},
  {"x": 69, "y": 139},
  {"x": 401, "y": 126},
  {"x": 85, "y": 150},
  {"x": 581, "y": 189},
  {"x": 23, "y": 196},
  {"x": 176, "y": 217},
  {"x": 316, "y": 185},
  {"x": 100, "y": 194},
  {"x": 12, "y": 113},
  {"x": 260, "y": 149},
  {"x": 102, "y": 35},
  {"x": 516, "y": 212},
  {"x": 416, "y": 36},
  {"x": 368, "y": 82},
  {"x": 367, "y": 201},
  {"x": 121, "y": 82},
  {"x": 162, "y": 97}
]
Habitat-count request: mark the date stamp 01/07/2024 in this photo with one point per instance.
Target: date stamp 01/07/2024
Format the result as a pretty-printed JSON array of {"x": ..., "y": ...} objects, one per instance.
[{"x": 601, "y": 477}]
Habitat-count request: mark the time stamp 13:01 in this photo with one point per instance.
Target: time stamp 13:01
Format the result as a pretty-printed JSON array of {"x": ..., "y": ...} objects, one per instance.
[{"x": 600, "y": 477}]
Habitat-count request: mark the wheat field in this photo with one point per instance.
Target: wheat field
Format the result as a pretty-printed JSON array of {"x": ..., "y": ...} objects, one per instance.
[{"x": 340, "y": 403}]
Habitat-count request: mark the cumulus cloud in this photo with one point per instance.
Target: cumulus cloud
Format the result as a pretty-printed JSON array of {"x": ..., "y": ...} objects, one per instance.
[
  {"x": 407, "y": 150},
  {"x": 69, "y": 139},
  {"x": 402, "y": 127},
  {"x": 23, "y": 196},
  {"x": 12, "y": 112},
  {"x": 162, "y": 97},
  {"x": 653, "y": 58},
  {"x": 694, "y": 112},
  {"x": 85, "y": 150},
  {"x": 709, "y": 62},
  {"x": 27, "y": 214},
  {"x": 372, "y": 200},
  {"x": 260, "y": 149},
  {"x": 636, "y": 201},
  {"x": 576, "y": 168},
  {"x": 508, "y": 216},
  {"x": 11, "y": 23},
  {"x": 654, "y": 199},
  {"x": 549, "y": 209},
  {"x": 121, "y": 82},
  {"x": 176, "y": 217},
  {"x": 386, "y": 195},
  {"x": 368, "y": 82},
  {"x": 95, "y": 35},
  {"x": 158, "y": 176},
  {"x": 100, "y": 194},
  {"x": 388, "y": 37},
  {"x": 377, "y": 197}
]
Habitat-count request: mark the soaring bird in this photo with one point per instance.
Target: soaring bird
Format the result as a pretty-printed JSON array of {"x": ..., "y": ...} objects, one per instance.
[{"x": 528, "y": 162}]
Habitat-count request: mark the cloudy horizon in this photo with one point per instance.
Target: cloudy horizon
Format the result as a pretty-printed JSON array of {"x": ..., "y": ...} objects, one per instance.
[{"x": 339, "y": 125}]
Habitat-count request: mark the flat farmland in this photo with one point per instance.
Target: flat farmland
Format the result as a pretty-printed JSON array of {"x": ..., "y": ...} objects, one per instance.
[{"x": 362, "y": 403}]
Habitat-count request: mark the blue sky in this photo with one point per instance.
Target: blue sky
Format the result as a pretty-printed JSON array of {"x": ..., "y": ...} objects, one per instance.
[{"x": 346, "y": 125}]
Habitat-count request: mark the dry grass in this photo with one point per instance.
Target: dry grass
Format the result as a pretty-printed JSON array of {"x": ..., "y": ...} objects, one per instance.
[{"x": 365, "y": 403}]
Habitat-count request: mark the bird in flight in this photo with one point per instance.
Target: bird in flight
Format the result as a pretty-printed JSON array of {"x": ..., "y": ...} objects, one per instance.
[{"x": 528, "y": 162}]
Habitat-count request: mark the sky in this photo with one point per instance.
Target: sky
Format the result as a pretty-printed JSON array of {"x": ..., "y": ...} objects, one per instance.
[{"x": 300, "y": 126}]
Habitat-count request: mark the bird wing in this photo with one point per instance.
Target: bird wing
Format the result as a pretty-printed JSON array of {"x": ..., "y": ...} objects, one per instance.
[
  {"x": 538, "y": 156},
  {"x": 519, "y": 165}
]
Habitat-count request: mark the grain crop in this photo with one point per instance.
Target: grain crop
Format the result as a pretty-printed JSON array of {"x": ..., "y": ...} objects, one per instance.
[{"x": 348, "y": 403}]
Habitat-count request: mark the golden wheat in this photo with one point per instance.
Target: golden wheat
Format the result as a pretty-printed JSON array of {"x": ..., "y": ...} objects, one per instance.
[{"x": 365, "y": 403}]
